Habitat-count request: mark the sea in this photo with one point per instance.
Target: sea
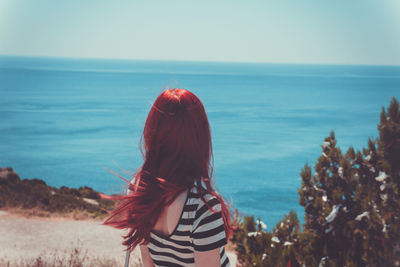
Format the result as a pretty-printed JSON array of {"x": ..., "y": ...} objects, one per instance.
[{"x": 72, "y": 121}]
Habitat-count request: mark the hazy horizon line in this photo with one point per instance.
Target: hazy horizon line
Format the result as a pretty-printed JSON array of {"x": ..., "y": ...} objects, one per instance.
[{"x": 194, "y": 61}]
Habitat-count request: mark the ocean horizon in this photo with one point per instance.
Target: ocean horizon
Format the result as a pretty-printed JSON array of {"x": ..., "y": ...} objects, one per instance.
[{"x": 67, "y": 121}]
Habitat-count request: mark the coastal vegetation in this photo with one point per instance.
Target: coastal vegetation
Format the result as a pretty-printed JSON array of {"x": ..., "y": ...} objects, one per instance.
[
  {"x": 33, "y": 197},
  {"x": 352, "y": 209}
]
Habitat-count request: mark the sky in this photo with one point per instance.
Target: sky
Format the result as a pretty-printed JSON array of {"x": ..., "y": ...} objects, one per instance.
[{"x": 281, "y": 31}]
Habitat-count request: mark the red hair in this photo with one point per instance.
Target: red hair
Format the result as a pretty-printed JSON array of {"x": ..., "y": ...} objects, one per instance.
[{"x": 177, "y": 153}]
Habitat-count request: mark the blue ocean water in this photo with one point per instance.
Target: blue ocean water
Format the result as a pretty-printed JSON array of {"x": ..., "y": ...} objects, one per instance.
[{"x": 67, "y": 120}]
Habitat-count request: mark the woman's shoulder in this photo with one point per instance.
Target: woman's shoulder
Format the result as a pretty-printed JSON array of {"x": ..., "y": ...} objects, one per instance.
[
  {"x": 195, "y": 194},
  {"x": 203, "y": 201}
]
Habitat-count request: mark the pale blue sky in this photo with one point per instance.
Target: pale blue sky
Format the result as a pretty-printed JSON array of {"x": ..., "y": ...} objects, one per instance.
[{"x": 281, "y": 31}]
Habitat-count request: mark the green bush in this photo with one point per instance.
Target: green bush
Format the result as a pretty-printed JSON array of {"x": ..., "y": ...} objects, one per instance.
[
  {"x": 88, "y": 192},
  {"x": 352, "y": 209},
  {"x": 36, "y": 194}
]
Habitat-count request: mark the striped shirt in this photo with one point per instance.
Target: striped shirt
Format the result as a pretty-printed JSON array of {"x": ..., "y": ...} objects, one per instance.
[{"x": 198, "y": 229}]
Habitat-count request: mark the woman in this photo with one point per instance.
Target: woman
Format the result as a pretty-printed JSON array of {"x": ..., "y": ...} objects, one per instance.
[{"x": 172, "y": 210}]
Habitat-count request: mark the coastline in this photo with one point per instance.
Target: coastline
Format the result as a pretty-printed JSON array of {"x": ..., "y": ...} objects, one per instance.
[{"x": 42, "y": 223}]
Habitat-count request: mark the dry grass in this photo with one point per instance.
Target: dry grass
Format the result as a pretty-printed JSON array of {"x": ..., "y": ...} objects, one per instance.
[
  {"x": 78, "y": 215},
  {"x": 76, "y": 257}
]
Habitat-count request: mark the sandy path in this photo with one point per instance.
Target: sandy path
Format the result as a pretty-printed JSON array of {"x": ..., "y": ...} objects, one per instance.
[{"x": 28, "y": 238}]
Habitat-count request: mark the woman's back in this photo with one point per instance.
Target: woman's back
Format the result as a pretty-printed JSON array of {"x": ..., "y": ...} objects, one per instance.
[
  {"x": 169, "y": 217},
  {"x": 198, "y": 229}
]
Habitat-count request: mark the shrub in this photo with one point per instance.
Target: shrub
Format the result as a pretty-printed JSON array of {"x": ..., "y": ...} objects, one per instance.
[
  {"x": 352, "y": 209},
  {"x": 35, "y": 194}
]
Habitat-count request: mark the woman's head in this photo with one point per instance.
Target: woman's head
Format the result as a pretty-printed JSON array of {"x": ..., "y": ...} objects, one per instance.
[{"x": 177, "y": 140}]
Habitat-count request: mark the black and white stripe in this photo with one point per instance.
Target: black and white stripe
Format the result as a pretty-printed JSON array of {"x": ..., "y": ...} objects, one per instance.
[{"x": 199, "y": 229}]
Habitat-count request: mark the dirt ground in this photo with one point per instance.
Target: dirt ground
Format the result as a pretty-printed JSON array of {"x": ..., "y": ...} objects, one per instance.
[{"x": 27, "y": 238}]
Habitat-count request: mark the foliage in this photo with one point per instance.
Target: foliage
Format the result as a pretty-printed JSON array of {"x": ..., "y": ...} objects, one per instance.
[
  {"x": 352, "y": 209},
  {"x": 29, "y": 194}
]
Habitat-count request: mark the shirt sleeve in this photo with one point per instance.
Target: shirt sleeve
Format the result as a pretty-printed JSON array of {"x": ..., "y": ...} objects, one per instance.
[{"x": 208, "y": 227}]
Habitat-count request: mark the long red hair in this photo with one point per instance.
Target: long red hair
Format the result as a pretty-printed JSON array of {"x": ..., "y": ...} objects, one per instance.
[{"x": 177, "y": 153}]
